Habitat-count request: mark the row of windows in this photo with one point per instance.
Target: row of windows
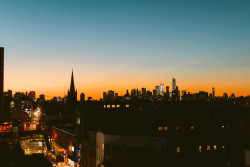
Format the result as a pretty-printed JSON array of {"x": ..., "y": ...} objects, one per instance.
[
  {"x": 115, "y": 106},
  {"x": 100, "y": 146},
  {"x": 207, "y": 148},
  {"x": 99, "y": 158},
  {"x": 165, "y": 128},
  {"x": 92, "y": 141}
]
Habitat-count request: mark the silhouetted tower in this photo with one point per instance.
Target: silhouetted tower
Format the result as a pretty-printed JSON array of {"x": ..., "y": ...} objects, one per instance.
[
  {"x": 82, "y": 97},
  {"x": 167, "y": 90},
  {"x": 105, "y": 96},
  {"x": 144, "y": 92},
  {"x": 177, "y": 93},
  {"x": 42, "y": 97},
  {"x": 72, "y": 93},
  {"x": 213, "y": 90},
  {"x": 127, "y": 94},
  {"x": 173, "y": 84},
  {"x": 111, "y": 95},
  {"x": 157, "y": 88},
  {"x": 1, "y": 82},
  {"x": 162, "y": 89},
  {"x": 167, "y": 93}
]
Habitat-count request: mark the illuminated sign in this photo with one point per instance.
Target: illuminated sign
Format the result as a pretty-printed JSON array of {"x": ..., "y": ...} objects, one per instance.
[
  {"x": 55, "y": 136},
  {"x": 5, "y": 128}
]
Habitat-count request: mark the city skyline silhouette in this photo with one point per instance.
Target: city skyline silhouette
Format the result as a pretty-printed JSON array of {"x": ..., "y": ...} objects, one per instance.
[{"x": 125, "y": 45}]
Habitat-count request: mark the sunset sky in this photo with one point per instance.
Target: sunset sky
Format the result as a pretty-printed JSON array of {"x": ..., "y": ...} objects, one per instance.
[{"x": 125, "y": 44}]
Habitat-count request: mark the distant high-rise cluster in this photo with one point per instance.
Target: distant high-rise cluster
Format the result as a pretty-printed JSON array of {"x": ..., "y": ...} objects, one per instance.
[
  {"x": 159, "y": 93},
  {"x": 162, "y": 93}
]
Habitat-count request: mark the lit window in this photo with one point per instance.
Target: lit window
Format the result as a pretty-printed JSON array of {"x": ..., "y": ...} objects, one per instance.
[
  {"x": 113, "y": 106},
  {"x": 160, "y": 128},
  {"x": 208, "y": 147},
  {"x": 127, "y": 105},
  {"x": 223, "y": 126},
  {"x": 199, "y": 148},
  {"x": 78, "y": 121},
  {"x": 104, "y": 106},
  {"x": 177, "y": 128},
  {"x": 108, "y": 106},
  {"x": 165, "y": 128},
  {"x": 117, "y": 106},
  {"x": 215, "y": 147},
  {"x": 102, "y": 146},
  {"x": 192, "y": 128},
  {"x": 223, "y": 147},
  {"x": 178, "y": 149}
]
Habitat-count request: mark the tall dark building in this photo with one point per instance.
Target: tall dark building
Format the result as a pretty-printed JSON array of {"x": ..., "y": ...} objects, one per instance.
[
  {"x": 177, "y": 93},
  {"x": 105, "y": 96},
  {"x": 72, "y": 93},
  {"x": 143, "y": 91},
  {"x": 133, "y": 92},
  {"x": 167, "y": 96},
  {"x": 167, "y": 90},
  {"x": 213, "y": 92},
  {"x": 173, "y": 84},
  {"x": 116, "y": 96},
  {"x": 82, "y": 97},
  {"x": 9, "y": 93},
  {"x": 7, "y": 99},
  {"x": 42, "y": 97},
  {"x": 111, "y": 95},
  {"x": 32, "y": 95},
  {"x": 1, "y": 82}
]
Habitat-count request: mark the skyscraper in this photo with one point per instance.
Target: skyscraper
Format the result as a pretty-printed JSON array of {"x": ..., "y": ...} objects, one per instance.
[
  {"x": 154, "y": 93},
  {"x": 105, "y": 96},
  {"x": 173, "y": 84},
  {"x": 157, "y": 88},
  {"x": 32, "y": 95},
  {"x": 111, "y": 95},
  {"x": 143, "y": 91},
  {"x": 167, "y": 90},
  {"x": 1, "y": 82},
  {"x": 177, "y": 93},
  {"x": 162, "y": 89},
  {"x": 213, "y": 90},
  {"x": 42, "y": 97},
  {"x": 116, "y": 96},
  {"x": 133, "y": 92}
]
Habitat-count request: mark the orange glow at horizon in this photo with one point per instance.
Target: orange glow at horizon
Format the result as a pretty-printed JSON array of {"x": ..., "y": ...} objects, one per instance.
[
  {"x": 125, "y": 45},
  {"x": 97, "y": 93},
  {"x": 95, "y": 83}
]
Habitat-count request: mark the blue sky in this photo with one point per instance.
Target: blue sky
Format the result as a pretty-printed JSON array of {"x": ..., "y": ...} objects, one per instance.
[{"x": 125, "y": 44}]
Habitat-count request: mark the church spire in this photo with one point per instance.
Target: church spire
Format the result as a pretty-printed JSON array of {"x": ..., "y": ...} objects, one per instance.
[
  {"x": 72, "y": 85},
  {"x": 72, "y": 93}
]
